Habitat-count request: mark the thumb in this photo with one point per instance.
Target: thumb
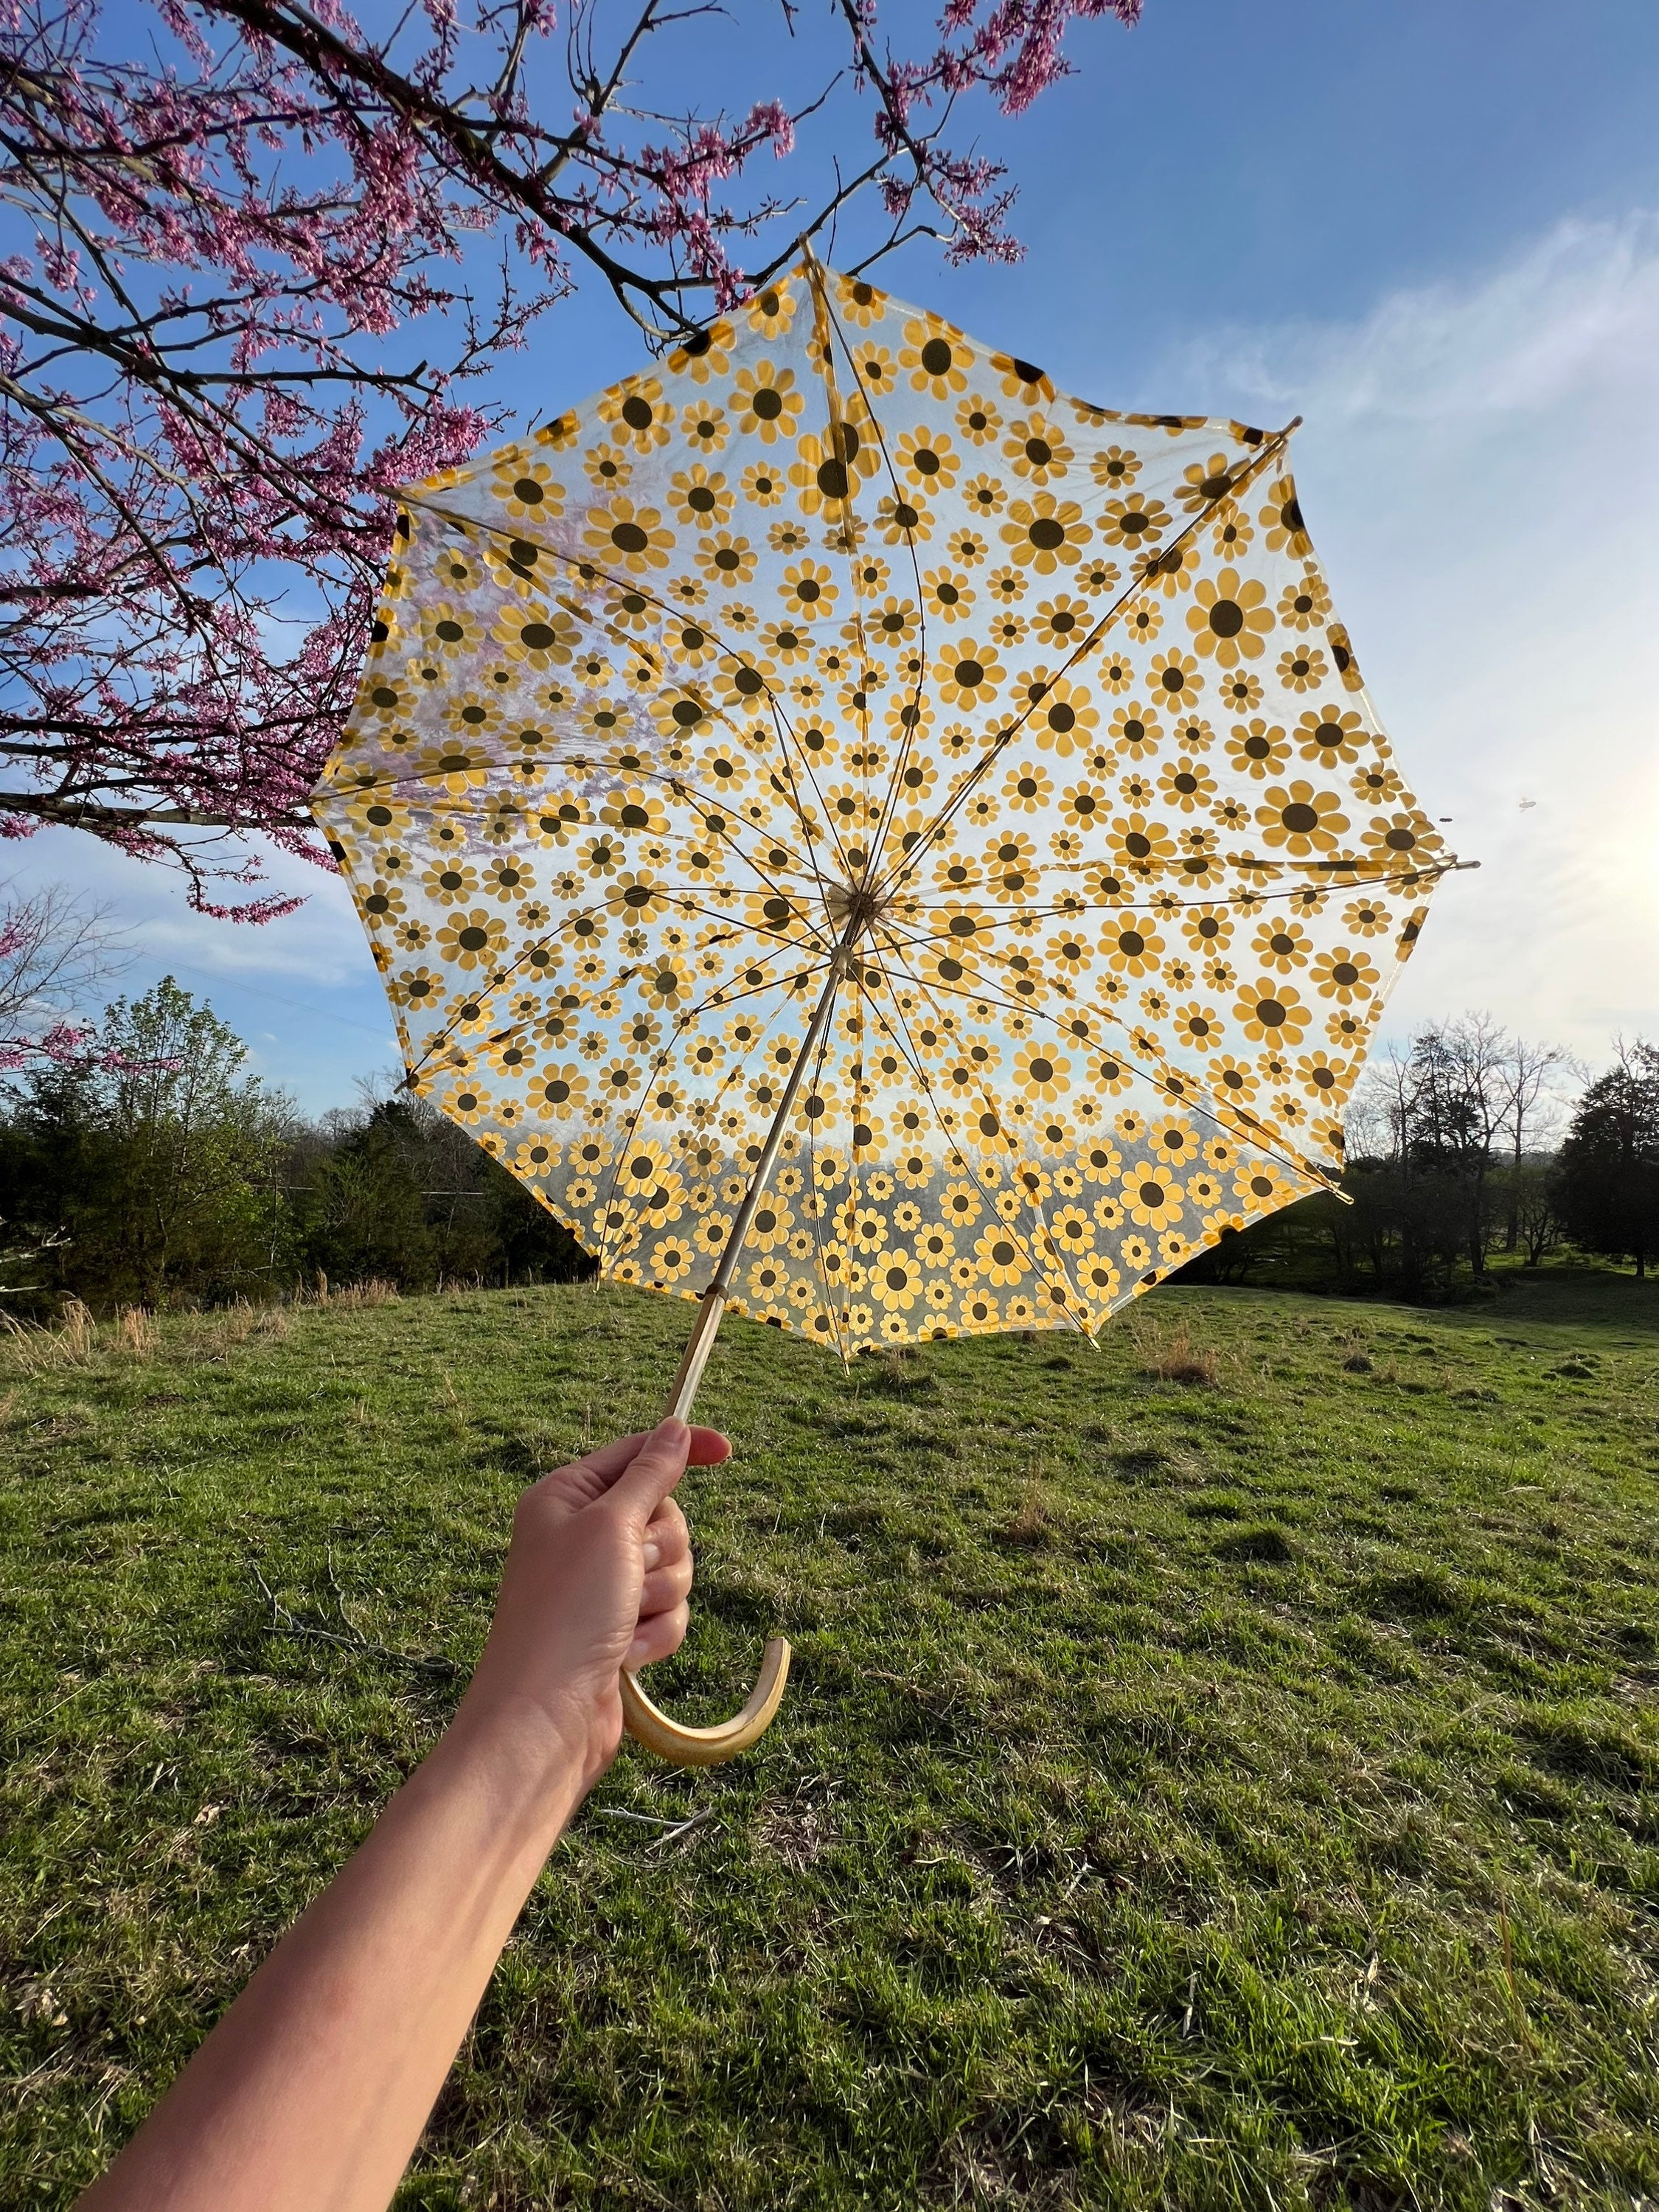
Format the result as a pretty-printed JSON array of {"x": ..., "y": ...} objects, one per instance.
[{"x": 654, "y": 1469}]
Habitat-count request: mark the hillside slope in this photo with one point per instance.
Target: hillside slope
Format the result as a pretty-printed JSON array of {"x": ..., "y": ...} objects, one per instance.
[{"x": 1220, "y": 1770}]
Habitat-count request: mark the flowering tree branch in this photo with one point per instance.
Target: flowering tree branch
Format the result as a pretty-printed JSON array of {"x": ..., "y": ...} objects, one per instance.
[{"x": 248, "y": 284}]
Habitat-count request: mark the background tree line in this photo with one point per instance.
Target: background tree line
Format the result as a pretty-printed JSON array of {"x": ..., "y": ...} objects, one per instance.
[
  {"x": 143, "y": 1164},
  {"x": 1465, "y": 1144},
  {"x": 158, "y": 1170}
]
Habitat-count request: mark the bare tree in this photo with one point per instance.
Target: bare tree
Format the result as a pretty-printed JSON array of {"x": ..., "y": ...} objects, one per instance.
[
  {"x": 1377, "y": 1115},
  {"x": 1533, "y": 1211},
  {"x": 1534, "y": 1078},
  {"x": 1463, "y": 1107},
  {"x": 54, "y": 948}
]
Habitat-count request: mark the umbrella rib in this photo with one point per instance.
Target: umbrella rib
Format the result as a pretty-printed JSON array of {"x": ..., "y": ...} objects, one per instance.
[
  {"x": 841, "y": 853},
  {"x": 721, "y": 998},
  {"x": 853, "y": 1205},
  {"x": 603, "y": 906},
  {"x": 502, "y": 980},
  {"x": 828, "y": 329},
  {"x": 673, "y": 779},
  {"x": 783, "y": 730},
  {"x": 1162, "y": 900},
  {"x": 1267, "y": 1138},
  {"x": 1032, "y": 1205},
  {"x": 853, "y": 1201},
  {"x": 1364, "y": 870},
  {"x": 847, "y": 540},
  {"x": 813, "y": 1209},
  {"x": 1004, "y": 738},
  {"x": 908, "y": 741},
  {"x": 907, "y": 1046},
  {"x": 727, "y": 838},
  {"x": 693, "y": 798},
  {"x": 580, "y": 563},
  {"x": 1060, "y": 985},
  {"x": 868, "y": 1010},
  {"x": 816, "y": 1028},
  {"x": 653, "y": 1075},
  {"x": 784, "y": 984},
  {"x": 782, "y": 726}
]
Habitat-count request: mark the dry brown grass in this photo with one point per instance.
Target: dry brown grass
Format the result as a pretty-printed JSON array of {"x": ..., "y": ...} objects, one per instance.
[
  {"x": 1034, "y": 1523},
  {"x": 224, "y": 1327},
  {"x": 135, "y": 1331},
  {"x": 1174, "y": 1355},
  {"x": 34, "y": 1349},
  {"x": 349, "y": 1297},
  {"x": 79, "y": 1339}
]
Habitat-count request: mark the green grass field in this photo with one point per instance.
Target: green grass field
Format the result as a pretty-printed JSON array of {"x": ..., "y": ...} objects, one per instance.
[{"x": 1240, "y": 1789}]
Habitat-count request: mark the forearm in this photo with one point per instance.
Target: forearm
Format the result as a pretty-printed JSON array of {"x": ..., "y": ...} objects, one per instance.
[{"x": 311, "y": 2094}]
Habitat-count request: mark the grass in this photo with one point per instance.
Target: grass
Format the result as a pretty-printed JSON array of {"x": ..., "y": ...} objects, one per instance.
[{"x": 1220, "y": 1771}]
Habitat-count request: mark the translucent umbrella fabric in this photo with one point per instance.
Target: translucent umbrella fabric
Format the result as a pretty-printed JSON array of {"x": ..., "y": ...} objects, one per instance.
[{"x": 842, "y": 648}]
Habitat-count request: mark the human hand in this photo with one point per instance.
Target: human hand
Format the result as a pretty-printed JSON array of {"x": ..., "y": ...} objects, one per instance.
[{"x": 597, "y": 1579}]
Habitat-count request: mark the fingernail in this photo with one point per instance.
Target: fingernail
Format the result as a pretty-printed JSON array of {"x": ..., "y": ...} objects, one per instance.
[{"x": 651, "y": 1556}]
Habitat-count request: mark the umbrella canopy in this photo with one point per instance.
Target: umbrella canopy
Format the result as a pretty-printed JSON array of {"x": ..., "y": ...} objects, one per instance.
[{"x": 842, "y": 666}]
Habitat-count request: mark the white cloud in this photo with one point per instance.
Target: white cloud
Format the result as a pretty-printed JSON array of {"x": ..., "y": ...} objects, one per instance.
[
  {"x": 1574, "y": 318},
  {"x": 1478, "y": 467},
  {"x": 321, "y": 944}
]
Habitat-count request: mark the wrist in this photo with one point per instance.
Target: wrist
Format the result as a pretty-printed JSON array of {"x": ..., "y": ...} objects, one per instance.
[{"x": 534, "y": 1759}]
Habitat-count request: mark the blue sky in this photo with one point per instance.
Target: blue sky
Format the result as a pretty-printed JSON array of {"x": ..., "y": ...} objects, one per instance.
[{"x": 1432, "y": 228}]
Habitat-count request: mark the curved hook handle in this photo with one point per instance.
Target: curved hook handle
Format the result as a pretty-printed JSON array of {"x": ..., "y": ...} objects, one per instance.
[{"x": 709, "y": 1747}]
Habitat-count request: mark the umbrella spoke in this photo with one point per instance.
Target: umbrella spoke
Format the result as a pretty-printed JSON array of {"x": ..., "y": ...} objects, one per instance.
[
  {"x": 1224, "y": 1114},
  {"x": 1004, "y": 738},
  {"x": 584, "y": 611},
  {"x": 959, "y": 1158},
  {"x": 813, "y": 1207},
  {"x": 655, "y": 1077},
  {"x": 503, "y": 979},
  {"x": 911, "y": 722}
]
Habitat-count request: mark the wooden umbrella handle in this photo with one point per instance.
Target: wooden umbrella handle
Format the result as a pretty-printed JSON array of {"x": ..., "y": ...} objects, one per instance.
[
  {"x": 648, "y": 1724},
  {"x": 708, "y": 1747}
]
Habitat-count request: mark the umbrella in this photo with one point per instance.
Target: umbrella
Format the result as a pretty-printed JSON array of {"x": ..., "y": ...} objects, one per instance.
[{"x": 875, "y": 843}]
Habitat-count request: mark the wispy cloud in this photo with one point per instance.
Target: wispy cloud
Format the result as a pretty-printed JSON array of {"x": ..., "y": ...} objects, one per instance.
[
  {"x": 1478, "y": 467},
  {"x": 1573, "y": 319}
]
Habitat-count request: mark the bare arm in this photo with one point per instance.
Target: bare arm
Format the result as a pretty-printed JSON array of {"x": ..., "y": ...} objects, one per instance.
[{"x": 311, "y": 2093}]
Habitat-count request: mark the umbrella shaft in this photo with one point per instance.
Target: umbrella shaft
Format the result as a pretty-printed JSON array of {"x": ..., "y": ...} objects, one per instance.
[{"x": 682, "y": 1396}]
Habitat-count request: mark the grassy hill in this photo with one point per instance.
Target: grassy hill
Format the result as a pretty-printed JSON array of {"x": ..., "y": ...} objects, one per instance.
[{"x": 1219, "y": 1770}]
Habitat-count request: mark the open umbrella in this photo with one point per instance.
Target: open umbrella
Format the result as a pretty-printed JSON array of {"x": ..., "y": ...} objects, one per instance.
[{"x": 874, "y": 843}]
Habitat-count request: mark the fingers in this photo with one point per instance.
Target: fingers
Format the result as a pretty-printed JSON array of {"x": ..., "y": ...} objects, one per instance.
[
  {"x": 708, "y": 1447},
  {"x": 569, "y": 1489},
  {"x": 667, "y": 1537},
  {"x": 664, "y": 1587},
  {"x": 658, "y": 1465},
  {"x": 608, "y": 1461},
  {"x": 657, "y": 1637},
  {"x": 585, "y": 1481}
]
